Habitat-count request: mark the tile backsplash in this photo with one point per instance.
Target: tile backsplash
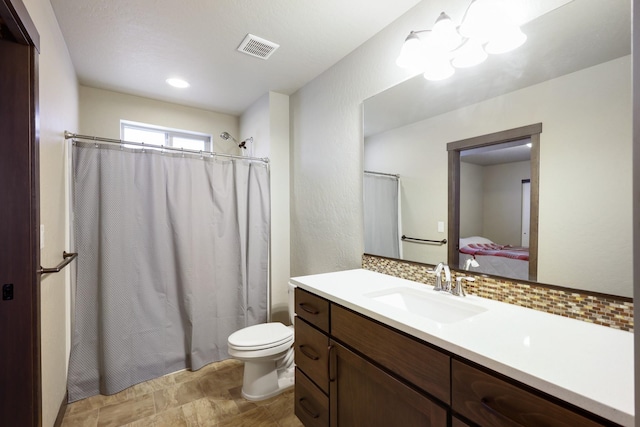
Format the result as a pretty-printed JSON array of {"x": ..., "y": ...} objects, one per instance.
[{"x": 589, "y": 307}]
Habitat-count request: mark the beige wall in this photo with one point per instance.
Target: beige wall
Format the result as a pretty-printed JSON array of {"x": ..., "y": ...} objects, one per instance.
[
  {"x": 502, "y": 202},
  {"x": 58, "y": 111},
  {"x": 471, "y": 200},
  {"x": 101, "y": 112},
  {"x": 585, "y": 169}
]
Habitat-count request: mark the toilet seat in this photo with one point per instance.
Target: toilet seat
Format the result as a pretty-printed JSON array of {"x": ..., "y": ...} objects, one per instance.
[{"x": 261, "y": 337}]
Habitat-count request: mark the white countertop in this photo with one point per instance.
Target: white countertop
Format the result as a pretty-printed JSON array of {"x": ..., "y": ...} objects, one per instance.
[{"x": 588, "y": 365}]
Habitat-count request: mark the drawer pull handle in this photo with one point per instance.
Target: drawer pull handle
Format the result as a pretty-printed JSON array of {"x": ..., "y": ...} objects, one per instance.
[
  {"x": 486, "y": 404},
  {"x": 333, "y": 361},
  {"x": 304, "y": 404},
  {"x": 310, "y": 354},
  {"x": 309, "y": 308}
]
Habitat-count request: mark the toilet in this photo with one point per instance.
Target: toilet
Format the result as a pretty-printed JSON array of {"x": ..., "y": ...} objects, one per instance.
[{"x": 267, "y": 352}]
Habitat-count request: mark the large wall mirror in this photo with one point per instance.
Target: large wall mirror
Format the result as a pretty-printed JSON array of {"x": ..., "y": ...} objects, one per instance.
[{"x": 572, "y": 76}]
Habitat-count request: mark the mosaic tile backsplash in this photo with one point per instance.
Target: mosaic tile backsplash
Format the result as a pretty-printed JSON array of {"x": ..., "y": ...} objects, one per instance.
[{"x": 602, "y": 310}]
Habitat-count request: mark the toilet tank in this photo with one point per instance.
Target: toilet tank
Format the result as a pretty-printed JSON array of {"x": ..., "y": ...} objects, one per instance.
[{"x": 292, "y": 302}]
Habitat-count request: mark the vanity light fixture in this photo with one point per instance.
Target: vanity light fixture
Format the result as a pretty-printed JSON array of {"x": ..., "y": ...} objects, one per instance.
[
  {"x": 179, "y": 83},
  {"x": 488, "y": 27}
]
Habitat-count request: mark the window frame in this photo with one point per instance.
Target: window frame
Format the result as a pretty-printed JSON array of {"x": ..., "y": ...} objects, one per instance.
[{"x": 169, "y": 134}]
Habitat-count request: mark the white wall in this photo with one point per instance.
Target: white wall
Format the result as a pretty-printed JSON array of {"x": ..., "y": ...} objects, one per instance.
[
  {"x": 255, "y": 122},
  {"x": 326, "y": 114},
  {"x": 101, "y": 112},
  {"x": 267, "y": 121},
  {"x": 58, "y": 111}
]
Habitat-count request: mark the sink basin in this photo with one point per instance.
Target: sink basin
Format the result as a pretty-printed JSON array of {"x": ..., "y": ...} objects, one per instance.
[{"x": 442, "y": 308}]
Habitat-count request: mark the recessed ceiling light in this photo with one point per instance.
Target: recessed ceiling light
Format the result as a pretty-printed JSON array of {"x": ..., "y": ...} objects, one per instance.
[{"x": 178, "y": 83}]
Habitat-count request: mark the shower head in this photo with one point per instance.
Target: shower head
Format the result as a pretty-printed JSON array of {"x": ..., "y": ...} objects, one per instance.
[
  {"x": 243, "y": 144},
  {"x": 226, "y": 136}
]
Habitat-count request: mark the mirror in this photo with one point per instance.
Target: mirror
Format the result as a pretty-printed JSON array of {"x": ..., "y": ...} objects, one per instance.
[{"x": 574, "y": 77}]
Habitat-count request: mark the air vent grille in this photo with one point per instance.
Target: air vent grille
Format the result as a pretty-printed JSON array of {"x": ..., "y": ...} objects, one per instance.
[{"x": 258, "y": 47}]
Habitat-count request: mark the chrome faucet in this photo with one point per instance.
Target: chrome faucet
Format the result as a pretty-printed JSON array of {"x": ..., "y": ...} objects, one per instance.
[
  {"x": 459, "y": 289},
  {"x": 447, "y": 277}
]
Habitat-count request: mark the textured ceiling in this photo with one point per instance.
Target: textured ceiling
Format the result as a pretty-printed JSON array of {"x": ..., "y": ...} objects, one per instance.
[{"x": 134, "y": 46}]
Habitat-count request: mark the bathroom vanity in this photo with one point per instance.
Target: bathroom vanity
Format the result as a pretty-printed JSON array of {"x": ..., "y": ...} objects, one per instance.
[{"x": 376, "y": 350}]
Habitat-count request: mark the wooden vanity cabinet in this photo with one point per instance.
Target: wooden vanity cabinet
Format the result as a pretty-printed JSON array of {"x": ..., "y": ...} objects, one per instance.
[
  {"x": 337, "y": 386},
  {"x": 311, "y": 349},
  {"x": 354, "y": 371}
]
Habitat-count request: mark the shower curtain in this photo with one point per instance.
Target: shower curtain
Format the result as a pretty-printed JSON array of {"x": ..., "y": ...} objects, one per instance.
[
  {"x": 173, "y": 258},
  {"x": 381, "y": 215}
]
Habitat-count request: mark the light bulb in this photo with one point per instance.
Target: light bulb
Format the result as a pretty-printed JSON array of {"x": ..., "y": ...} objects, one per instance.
[
  {"x": 507, "y": 39},
  {"x": 411, "y": 52},
  {"x": 469, "y": 54},
  {"x": 477, "y": 21},
  {"x": 179, "y": 83},
  {"x": 438, "y": 69},
  {"x": 444, "y": 33}
]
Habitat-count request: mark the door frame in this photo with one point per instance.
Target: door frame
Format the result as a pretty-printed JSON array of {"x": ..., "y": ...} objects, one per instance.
[{"x": 20, "y": 373}]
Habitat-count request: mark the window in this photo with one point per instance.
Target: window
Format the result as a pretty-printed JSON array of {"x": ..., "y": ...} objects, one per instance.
[{"x": 156, "y": 135}]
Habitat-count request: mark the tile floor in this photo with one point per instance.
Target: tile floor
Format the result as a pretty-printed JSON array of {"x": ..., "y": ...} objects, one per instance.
[{"x": 209, "y": 397}]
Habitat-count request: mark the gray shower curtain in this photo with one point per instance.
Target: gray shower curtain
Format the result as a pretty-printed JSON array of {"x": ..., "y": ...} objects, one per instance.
[
  {"x": 173, "y": 258},
  {"x": 381, "y": 217}
]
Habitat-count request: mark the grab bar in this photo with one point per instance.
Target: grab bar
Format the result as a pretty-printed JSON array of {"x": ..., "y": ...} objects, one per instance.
[
  {"x": 415, "y": 240},
  {"x": 67, "y": 258}
]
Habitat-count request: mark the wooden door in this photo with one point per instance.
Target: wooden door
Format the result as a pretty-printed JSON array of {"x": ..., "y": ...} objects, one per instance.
[
  {"x": 20, "y": 380},
  {"x": 363, "y": 395}
]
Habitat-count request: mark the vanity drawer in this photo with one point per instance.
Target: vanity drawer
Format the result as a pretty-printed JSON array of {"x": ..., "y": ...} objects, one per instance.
[
  {"x": 312, "y": 353},
  {"x": 416, "y": 362},
  {"x": 313, "y": 309},
  {"x": 311, "y": 406},
  {"x": 490, "y": 401}
]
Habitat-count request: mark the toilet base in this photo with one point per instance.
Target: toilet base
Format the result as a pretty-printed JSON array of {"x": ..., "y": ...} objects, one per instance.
[{"x": 261, "y": 380}]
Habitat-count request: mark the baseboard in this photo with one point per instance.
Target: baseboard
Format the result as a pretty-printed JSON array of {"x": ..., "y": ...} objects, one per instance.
[{"x": 61, "y": 411}]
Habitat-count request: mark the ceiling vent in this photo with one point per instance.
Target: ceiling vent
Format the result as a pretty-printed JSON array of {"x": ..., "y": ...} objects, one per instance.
[{"x": 258, "y": 47}]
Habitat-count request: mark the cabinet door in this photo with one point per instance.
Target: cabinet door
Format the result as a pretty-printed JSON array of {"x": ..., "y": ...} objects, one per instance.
[{"x": 363, "y": 395}]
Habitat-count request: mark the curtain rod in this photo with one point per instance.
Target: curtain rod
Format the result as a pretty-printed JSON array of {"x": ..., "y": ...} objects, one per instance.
[
  {"x": 96, "y": 139},
  {"x": 395, "y": 175}
]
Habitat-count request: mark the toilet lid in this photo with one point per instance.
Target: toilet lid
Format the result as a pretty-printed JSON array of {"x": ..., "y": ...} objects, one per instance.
[{"x": 261, "y": 336}]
